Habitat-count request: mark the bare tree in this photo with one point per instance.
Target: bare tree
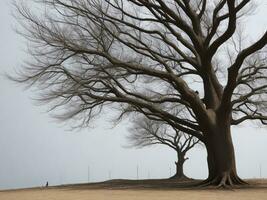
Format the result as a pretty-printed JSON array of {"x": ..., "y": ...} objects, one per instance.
[
  {"x": 147, "y": 132},
  {"x": 149, "y": 57}
]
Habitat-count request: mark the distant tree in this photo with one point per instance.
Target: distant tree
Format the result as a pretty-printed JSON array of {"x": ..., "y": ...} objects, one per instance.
[
  {"x": 146, "y": 132},
  {"x": 149, "y": 57}
]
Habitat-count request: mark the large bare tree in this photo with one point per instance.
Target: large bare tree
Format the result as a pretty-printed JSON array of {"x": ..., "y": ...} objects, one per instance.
[
  {"x": 145, "y": 132},
  {"x": 150, "y": 57}
]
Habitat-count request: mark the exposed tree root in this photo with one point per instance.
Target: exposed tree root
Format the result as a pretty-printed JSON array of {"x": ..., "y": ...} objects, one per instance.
[
  {"x": 179, "y": 177},
  {"x": 239, "y": 181},
  {"x": 226, "y": 181}
]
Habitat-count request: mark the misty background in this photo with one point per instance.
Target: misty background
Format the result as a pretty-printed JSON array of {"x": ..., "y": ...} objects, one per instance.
[{"x": 34, "y": 148}]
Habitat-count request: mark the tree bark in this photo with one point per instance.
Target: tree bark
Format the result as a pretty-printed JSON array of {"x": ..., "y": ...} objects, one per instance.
[
  {"x": 179, "y": 174},
  {"x": 221, "y": 156}
]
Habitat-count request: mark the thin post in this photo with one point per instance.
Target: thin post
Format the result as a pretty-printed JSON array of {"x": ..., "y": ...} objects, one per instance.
[
  {"x": 109, "y": 175},
  {"x": 88, "y": 173},
  {"x": 260, "y": 171},
  {"x": 137, "y": 172}
]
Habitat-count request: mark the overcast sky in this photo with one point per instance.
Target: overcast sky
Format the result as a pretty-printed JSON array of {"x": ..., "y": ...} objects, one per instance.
[{"x": 35, "y": 149}]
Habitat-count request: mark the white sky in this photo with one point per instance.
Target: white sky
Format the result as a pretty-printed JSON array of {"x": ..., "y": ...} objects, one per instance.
[{"x": 34, "y": 149}]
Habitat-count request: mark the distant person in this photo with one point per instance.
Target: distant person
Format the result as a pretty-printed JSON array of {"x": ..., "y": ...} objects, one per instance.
[{"x": 46, "y": 185}]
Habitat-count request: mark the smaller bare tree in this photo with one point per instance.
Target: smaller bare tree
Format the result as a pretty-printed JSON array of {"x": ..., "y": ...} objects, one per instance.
[{"x": 146, "y": 132}]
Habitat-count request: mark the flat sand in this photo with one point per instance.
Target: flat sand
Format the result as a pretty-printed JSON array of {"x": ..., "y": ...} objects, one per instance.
[
  {"x": 66, "y": 194},
  {"x": 83, "y": 193}
]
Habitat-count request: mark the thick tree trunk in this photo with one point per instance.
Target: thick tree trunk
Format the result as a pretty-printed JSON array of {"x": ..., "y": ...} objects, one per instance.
[{"x": 221, "y": 157}]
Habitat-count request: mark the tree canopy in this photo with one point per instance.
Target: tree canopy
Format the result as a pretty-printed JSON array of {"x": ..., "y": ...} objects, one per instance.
[
  {"x": 152, "y": 57},
  {"x": 145, "y": 132}
]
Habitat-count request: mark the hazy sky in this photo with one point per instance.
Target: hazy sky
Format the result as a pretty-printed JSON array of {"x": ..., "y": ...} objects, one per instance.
[{"x": 35, "y": 149}]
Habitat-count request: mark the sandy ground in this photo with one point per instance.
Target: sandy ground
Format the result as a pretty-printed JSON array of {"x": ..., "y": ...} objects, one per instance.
[
  {"x": 82, "y": 193},
  {"x": 68, "y": 194}
]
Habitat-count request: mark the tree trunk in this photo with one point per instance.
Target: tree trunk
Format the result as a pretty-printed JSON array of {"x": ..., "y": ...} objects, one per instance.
[
  {"x": 221, "y": 156},
  {"x": 180, "y": 167}
]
